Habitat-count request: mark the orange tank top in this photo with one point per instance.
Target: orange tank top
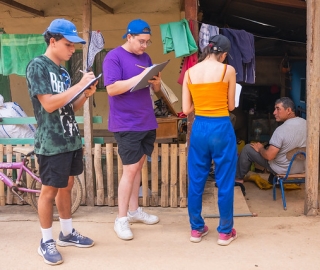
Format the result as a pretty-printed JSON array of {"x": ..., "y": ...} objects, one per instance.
[{"x": 210, "y": 99}]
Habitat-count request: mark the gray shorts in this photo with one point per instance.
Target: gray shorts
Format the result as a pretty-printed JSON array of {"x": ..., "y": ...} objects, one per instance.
[
  {"x": 55, "y": 170},
  {"x": 132, "y": 145}
]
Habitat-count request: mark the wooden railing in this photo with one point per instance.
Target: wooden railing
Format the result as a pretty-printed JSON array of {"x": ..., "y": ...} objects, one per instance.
[
  {"x": 32, "y": 120},
  {"x": 164, "y": 180}
]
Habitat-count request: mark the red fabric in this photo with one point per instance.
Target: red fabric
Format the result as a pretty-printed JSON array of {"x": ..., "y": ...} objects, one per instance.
[
  {"x": 181, "y": 115},
  {"x": 189, "y": 61}
]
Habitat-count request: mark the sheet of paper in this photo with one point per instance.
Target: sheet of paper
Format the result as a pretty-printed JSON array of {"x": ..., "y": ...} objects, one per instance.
[
  {"x": 153, "y": 71},
  {"x": 237, "y": 95},
  {"x": 84, "y": 88}
]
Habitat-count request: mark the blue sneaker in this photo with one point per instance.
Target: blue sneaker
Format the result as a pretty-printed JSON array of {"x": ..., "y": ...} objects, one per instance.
[
  {"x": 49, "y": 252},
  {"x": 74, "y": 239}
]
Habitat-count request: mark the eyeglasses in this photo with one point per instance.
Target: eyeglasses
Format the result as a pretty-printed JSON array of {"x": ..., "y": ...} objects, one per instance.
[{"x": 144, "y": 43}]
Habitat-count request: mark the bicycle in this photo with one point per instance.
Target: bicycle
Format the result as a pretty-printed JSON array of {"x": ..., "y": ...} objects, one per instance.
[{"x": 19, "y": 185}]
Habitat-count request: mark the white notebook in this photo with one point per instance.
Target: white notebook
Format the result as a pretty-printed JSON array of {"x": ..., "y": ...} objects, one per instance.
[
  {"x": 84, "y": 88},
  {"x": 152, "y": 71}
]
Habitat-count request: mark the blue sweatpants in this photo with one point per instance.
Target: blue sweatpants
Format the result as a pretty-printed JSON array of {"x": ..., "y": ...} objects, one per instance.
[{"x": 212, "y": 138}]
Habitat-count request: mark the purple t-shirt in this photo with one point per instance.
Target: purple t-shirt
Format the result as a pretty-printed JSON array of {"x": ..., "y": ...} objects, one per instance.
[{"x": 130, "y": 111}]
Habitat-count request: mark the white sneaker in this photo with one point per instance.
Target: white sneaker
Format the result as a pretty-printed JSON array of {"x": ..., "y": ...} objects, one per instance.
[
  {"x": 143, "y": 217},
  {"x": 122, "y": 228}
]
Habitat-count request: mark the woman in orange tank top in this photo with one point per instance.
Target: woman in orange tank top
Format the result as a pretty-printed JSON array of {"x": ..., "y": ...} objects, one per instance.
[{"x": 209, "y": 91}]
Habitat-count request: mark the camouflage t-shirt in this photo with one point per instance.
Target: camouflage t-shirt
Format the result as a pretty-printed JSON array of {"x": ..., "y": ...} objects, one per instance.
[{"x": 57, "y": 132}]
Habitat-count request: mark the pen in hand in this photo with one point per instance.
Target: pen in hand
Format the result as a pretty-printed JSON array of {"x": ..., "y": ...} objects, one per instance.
[{"x": 141, "y": 66}]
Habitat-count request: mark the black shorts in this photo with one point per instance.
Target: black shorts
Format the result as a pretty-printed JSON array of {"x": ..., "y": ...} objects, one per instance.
[
  {"x": 55, "y": 170},
  {"x": 132, "y": 145}
]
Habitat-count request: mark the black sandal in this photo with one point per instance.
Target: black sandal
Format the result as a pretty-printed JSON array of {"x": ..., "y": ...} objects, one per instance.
[{"x": 237, "y": 184}]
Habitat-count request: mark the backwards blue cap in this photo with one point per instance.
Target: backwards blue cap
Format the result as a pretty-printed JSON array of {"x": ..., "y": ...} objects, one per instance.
[{"x": 137, "y": 27}]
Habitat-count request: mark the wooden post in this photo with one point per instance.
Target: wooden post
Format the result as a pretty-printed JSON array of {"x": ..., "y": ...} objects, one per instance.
[
  {"x": 182, "y": 175},
  {"x": 164, "y": 175},
  {"x": 120, "y": 172},
  {"x": 155, "y": 176},
  {"x": 110, "y": 177},
  {"x": 87, "y": 109},
  {"x": 145, "y": 183},
  {"x": 99, "y": 174},
  {"x": 18, "y": 159},
  {"x": 173, "y": 175},
  {"x": 2, "y": 194},
  {"x": 9, "y": 173},
  {"x": 313, "y": 105},
  {"x": 191, "y": 10}
]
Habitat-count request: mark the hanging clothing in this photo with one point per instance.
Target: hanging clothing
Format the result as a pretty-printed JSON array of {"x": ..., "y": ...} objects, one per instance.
[
  {"x": 242, "y": 54},
  {"x": 17, "y": 50},
  {"x": 188, "y": 61},
  {"x": 206, "y": 31},
  {"x": 177, "y": 37}
]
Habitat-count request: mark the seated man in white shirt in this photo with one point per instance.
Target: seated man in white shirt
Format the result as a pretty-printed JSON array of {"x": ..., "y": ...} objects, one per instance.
[{"x": 290, "y": 135}]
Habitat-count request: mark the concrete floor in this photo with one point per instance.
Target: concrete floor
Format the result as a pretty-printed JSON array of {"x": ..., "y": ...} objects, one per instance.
[{"x": 275, "y": 239}]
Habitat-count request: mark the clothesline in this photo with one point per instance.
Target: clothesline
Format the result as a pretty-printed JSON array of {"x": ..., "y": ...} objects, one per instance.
[
  {"x": 290, "y": 41},
  {"x": 124, "y": 29}
]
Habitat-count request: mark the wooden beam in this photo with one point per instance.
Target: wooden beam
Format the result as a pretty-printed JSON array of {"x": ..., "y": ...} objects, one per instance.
[
  {"x": 103, "y": 6},
  {"x": 87, "y": 108},
  {"x": 21, "y": 7},
  {"x": 191, "y": 9},
  {"x": 285, "y": 3},
  {"x": 182, "y": 5},
  {"x": 313, "y": 108}
]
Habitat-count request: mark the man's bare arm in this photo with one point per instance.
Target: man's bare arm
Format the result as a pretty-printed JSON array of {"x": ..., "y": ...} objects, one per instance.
[{"x": 268, "y": 154}]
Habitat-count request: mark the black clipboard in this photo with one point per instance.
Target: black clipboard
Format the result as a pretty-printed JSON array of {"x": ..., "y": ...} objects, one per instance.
[
  {"x": 153, "y": 71},
  {"x": 84, "y": 88}
]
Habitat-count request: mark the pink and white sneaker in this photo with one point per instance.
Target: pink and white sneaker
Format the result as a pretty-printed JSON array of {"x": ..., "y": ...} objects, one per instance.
[
  {"x": 196, "y": 235},
  {"x": 226, "y": 238}
]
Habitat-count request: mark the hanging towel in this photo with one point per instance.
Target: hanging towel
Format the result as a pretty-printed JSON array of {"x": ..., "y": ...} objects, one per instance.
[
  {"x": 17, "y": 50},
  {"x": 177, "y": 36},
  {"x": 206, "y": 31},
  {"x": 243, "y": 54},
  {"x": 189, "y": 61}
]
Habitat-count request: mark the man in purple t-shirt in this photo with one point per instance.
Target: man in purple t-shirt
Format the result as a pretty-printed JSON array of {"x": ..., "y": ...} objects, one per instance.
[{"x": 132, "y": 120}]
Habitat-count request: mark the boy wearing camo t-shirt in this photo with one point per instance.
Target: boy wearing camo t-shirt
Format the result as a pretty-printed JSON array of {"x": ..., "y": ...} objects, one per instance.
[{"x": 57, "y": 140}]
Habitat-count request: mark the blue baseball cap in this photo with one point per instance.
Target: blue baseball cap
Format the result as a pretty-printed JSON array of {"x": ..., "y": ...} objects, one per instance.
[
  {"x": 65, "y": 28},
  {"x": 137, "y": 27}
]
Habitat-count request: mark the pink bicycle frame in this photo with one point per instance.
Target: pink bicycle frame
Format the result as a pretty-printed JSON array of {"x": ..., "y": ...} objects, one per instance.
[{"x": 20, "y": 167}]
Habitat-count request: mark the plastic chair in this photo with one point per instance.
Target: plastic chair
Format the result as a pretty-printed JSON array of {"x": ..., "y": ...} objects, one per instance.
[{"x": 281, "y": 179}]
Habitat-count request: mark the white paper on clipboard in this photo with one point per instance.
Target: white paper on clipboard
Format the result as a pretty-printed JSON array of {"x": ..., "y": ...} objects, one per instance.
[
  {"x": 84, "y": 88},
  {"x": 237, "y": 95},
  {"x": 153, "y": 71}
]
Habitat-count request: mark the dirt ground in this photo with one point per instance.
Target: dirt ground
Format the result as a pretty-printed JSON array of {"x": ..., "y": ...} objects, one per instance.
[{"x": 275, "y": 239}]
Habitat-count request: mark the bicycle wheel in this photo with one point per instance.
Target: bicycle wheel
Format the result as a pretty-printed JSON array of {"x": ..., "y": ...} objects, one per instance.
[{"x": 76, "y": 196}]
